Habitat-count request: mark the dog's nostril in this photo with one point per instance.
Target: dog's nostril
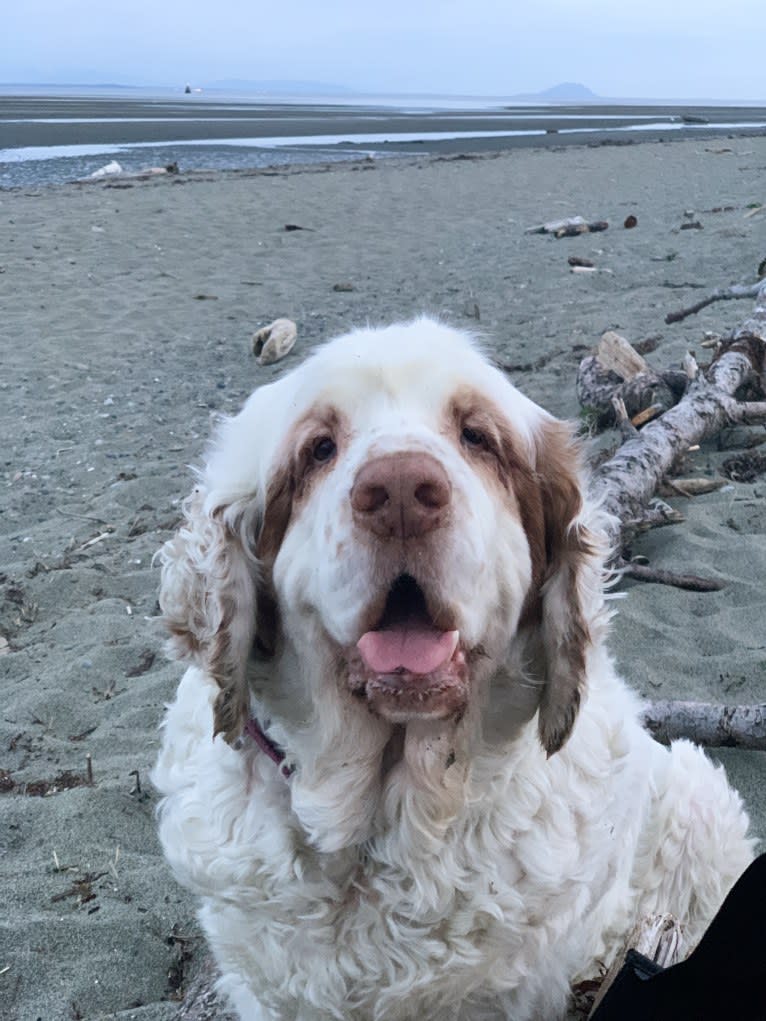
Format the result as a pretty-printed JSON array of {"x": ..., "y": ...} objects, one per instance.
[
  {"x": 432, "y": 495},
  {"x": 368, "y": 499}
]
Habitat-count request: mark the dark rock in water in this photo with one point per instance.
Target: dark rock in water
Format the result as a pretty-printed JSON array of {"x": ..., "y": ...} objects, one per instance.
[{"x": 630, "y": 222}]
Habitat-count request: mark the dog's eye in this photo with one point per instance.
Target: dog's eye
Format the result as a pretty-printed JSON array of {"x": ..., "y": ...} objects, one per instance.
[
  {"x": 474, "y": 438},
  {"x": 323, "y": 449}
]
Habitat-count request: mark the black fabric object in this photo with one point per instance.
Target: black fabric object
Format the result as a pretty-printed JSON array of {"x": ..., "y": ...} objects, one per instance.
[{"x": 723, "y": 980}]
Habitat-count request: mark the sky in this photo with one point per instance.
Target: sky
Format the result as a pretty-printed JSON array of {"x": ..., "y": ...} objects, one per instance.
[{"x": 618, "y": 48}]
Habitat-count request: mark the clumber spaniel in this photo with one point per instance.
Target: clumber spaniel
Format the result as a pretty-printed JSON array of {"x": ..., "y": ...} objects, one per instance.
[{"x": 401, "y": 771}]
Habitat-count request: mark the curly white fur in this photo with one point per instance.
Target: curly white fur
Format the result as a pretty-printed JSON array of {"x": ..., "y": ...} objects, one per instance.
[{"x": 458, "y": 869}]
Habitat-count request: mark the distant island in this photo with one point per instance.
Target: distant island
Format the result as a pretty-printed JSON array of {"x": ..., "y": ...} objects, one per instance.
[{"x": 565, "y": 92}]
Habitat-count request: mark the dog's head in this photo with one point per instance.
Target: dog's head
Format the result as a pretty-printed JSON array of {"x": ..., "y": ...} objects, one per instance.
[{"x": 388, "y": 522}]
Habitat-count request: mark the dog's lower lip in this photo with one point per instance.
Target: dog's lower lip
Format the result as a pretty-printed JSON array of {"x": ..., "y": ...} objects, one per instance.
[
  {"x": 394, "y": 678},
  {"x": 400, "y": 694}
]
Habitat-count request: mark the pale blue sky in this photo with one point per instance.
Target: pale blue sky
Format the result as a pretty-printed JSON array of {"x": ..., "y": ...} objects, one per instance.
[{"x": 653, "y": 48}]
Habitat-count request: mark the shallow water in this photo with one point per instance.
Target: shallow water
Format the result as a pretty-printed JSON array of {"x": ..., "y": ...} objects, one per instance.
[{"x": 52, "y": 139}]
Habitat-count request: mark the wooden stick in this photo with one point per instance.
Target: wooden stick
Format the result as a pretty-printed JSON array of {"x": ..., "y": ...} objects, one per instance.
[
  {"x": 716, "y": 726},
  {"x": 691, "y": 487},
  {"x": 720, "y": 294},
  {"x": 690, "y": 582}
]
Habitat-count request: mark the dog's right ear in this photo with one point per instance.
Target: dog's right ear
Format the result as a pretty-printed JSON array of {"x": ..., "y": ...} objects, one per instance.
[{"x": 208, "y": 598}]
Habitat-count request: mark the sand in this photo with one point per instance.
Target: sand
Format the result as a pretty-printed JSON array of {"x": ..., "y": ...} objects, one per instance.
[{"x": 126, "y": 317}]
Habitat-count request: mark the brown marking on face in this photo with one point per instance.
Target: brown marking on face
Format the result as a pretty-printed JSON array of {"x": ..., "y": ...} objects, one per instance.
[
  {"x": 297, "y": 473},
  {"x": 289, "y": 487},
  {"x": 502, "y": 461},
  {"x": 545, "y": 495},
  {"x": 277, "y": 514}
]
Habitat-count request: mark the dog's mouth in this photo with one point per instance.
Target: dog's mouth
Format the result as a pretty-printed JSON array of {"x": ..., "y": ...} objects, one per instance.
[{"x": 410, "y": 663}]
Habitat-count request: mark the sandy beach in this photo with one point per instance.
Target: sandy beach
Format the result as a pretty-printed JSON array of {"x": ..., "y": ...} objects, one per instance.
[{"x": 127, "y": 310}]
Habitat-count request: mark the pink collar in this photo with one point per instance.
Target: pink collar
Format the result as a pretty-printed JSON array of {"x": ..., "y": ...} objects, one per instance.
[{"x": 267, "y": 746}]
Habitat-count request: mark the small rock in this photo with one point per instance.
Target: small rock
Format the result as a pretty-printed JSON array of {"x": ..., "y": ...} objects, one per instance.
[{"x": 630, "y": 222}]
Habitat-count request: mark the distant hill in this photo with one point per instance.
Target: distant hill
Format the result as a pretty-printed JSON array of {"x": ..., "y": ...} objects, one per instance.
[
  {"x": 279, "y": 88},
  {"x": 566, "y": 92}
]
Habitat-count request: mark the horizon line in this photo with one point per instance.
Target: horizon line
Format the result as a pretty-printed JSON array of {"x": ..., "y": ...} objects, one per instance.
[{"x": 245, "y": 86}]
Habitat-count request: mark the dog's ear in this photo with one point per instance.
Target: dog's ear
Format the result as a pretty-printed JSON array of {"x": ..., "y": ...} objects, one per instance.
[
  {"x": 208, "y": 598},
  {"x": 571, "y": 584},
  {"x": 216, "y": 593}
]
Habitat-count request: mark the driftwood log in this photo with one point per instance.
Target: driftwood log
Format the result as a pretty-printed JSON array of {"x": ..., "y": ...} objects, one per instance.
[
  {"x": 571, "y": 227},
  {"x": 717, "y": 726},
  {"x": 732, "y": 391},
  {"x": 661, "y": 416},
  {"x": 658, "y": 937}
]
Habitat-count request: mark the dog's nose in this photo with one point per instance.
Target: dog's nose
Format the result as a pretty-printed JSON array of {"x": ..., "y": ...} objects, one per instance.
[{"x": 401, "y": 495}]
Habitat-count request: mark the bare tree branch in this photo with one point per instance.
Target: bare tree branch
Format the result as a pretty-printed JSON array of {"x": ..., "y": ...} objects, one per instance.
[{"x": 720, "y": 294}]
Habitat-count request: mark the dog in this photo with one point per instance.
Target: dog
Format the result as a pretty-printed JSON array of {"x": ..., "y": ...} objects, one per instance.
[{"x": 401, "y": 771}]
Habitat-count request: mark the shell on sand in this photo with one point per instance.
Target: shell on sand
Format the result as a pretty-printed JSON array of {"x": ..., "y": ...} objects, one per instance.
[{"x": 273, "y": 342}]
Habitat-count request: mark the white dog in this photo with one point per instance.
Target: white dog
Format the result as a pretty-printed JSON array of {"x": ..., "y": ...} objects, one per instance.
[{"x": 401, "y": 771}]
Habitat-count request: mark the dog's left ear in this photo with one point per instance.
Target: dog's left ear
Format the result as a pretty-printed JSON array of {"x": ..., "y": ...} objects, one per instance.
[{"x": 571, "y": 585}]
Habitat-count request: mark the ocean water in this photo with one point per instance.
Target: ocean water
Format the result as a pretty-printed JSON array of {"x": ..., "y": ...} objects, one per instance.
[{"x": 48, "y": 139}]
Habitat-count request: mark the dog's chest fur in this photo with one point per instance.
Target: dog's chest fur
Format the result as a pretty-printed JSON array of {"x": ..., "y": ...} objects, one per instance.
[{"x": 435, "y": 918}]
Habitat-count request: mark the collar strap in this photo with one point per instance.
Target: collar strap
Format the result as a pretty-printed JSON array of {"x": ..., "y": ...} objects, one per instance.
[{"x": 267, "y": 746}]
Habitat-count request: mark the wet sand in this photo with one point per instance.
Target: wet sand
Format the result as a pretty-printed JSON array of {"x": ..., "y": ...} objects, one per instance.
[{"x": 127, "y": 309}]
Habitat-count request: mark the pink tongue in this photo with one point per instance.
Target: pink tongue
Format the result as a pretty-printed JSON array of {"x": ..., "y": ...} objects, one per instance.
[{"x": 420, "y": 651}]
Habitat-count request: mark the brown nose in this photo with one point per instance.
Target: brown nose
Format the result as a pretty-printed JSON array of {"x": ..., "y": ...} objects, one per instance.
[{"x": 401, "y": 495}]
